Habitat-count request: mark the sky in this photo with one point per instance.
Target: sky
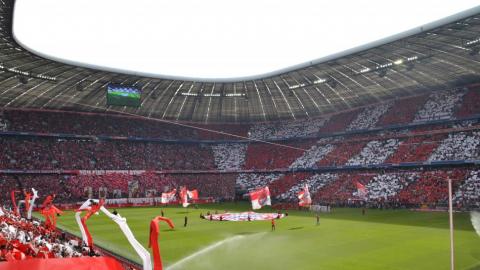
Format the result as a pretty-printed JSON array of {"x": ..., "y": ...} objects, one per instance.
[{"x": 213, "y": 39}]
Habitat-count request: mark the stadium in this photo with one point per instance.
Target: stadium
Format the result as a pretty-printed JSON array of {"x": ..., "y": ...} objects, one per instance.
[{"x": 366, "y": 158}]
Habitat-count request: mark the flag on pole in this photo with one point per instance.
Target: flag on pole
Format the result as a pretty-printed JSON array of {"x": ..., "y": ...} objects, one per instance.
[
  {"x": 361, "y": 190},
  {"x": 260, "y": 197},
  {"x": 192, "y": 194},
  {"x": 184, "y": 196},
  {"x": 304, "y": 197},
  {"x": 169, "y": 196}
]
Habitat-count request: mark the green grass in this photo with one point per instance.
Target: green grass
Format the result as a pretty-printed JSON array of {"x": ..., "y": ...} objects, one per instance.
[{"x": 393, "y": 239}]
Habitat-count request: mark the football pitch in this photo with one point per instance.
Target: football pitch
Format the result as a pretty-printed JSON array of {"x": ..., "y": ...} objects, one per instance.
[{"x": 345, "y": 239}]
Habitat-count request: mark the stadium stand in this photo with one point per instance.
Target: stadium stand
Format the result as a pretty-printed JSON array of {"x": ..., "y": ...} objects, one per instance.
[
  {"x": 21, "y": 239},
  {"x": 369, "y": 116},
  {"x": 384, "y": 187},
  {"x": 403, "y": 111},
  {"x": 268, "y": 156},
  {"x": 470, "y": 103},
  {"x": 440, "y": 105},
  {"x": 375, "y": 152},
  {"x": 314, "y": 182},
  {"x": 252, "y": 181},
  {"x": 468, "y": 194},
  {"x": 286, "y": 130},
  {"x": 458, "y": 146},
  {"x": 229, "y": 156},
  {"x": 431, "y": 187}
]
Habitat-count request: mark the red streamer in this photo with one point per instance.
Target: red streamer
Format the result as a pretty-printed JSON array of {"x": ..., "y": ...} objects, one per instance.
[
  {"x": 14, "y": 202},
  {"x": 153, "y": 242},
  {"x": 28, "y": 197}
]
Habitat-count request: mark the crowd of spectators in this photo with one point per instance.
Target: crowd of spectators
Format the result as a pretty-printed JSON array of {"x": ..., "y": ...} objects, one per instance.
[
  {"x": 3, "y": 122},
  {"x": 43, "y": 183},
  {"x": 342, "y": 189},
  {"x": 75, "y": 188},
  {"x": 432, "y": 187},
  {"x": 285, "y": 182},
  {"x": 217, "y": 186},
  {"x": 314, "y": 183},
  {"x": 229, "y": 156},
  {"x": 403, "y": 111},
  {"x": 339, "y": 122},
  {"x": 458, "y": 146},
  {"x": 341, "y": 153},
  {"x": 222, "y": 131},
  {"x": 49, "y": 154},
  {"x": 470, "y": 103},
  {"x": 375, "y": 152},
  {"x": 95, "y": 124},
  {"x": 252, "y": 181},
  {"x": 286, "y": 130},
  {"x": 312, "y": 156},
  {"x": 468, "y": 194},
  {"x": 273, "y": 156},
  {"x": 440, "y": 105},
  {"x": 385, "y": 186},
  {"x": 416, "y": 149},
  {"x": 369, "y": 116},
  {"x": 22, "y": 239}
]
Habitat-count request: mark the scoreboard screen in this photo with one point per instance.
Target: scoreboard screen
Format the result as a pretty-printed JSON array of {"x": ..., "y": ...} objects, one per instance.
[{"x": 120, "y": 95}]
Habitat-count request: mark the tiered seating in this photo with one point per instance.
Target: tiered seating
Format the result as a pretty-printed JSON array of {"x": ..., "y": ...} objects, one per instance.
[
  {"x": 415, "y": 149},
  {"x": 342, "y": 189},
  {"x": 470, "y": 103},
  {"x": 458, "y": 146},
  {"x": 44, "y": 184},
  {"x": 222, "y": 132},
  {"x": 285, "y": 182},
  {"x": 3, "y": 122},
  {"x": 268, "y": 156},
  {"x": 95, "y": 124},
  {"x": 218, "y": 186},
  {"x": 252, "y": 181},
  {"x": 431, "y": 187},
  {"x": 77, "y": 187},
  {"x": 341, "y": 154},
  {"x": 384, "y": 187},
  {"x": 339, "y": 122},
  {"x": 314, "y": 183},
  {"x": 468, "y": 194},
  {"x": 312, "y": 156},
  {"x": 229, "y": 156},
  {"x": 22, "y": 240},
  {"x": 285, "y": 130},
  {"x": 47, "y": 154},
  {"x": 369, "y": 117},
  {"x": 403, "y": 111},
  {"x": 375, "y": 152},
  {"x": 440, "y": 105}
]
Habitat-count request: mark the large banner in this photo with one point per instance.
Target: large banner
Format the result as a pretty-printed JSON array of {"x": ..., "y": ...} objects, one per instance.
[{"x": 244, "y": 216}]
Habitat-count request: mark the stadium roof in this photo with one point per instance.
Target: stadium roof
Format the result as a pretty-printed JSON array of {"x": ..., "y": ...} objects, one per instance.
[{"x": 439, "y": 55}]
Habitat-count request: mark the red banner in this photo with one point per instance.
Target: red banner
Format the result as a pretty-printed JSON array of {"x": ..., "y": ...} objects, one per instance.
[{"x": 82, "y": 263}]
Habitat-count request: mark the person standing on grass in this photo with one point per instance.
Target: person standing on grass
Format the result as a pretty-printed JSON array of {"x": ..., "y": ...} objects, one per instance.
[
  {"x": 318, "y": 219},
  {"x": 186, "y": 221},
  {"x": 161, "y": 213},
  {"x": 273, "y": 224}
]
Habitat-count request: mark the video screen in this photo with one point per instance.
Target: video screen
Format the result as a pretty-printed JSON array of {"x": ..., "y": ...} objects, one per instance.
[{"x": 120, "y": 95}]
